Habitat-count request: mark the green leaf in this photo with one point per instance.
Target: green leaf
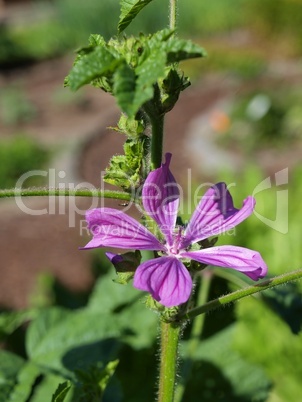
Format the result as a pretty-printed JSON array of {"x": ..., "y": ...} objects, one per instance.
[
  {"x": 10, "y": 321},
  {"x": 234, "y": 377},
  {"x": 26, "y": 379},
  {"x": 133, "y": 88},
  {"x": 129, "y": 10},
  {"x": 286, "y": 301},
  {"x": 94, "y": 381},
  {"x": 149, "y": 72},
  {"x": 139, "y": 323},
  {"x": 180, "y": 49},
  {"x": 96, "y": 64},
  {"x": 10, "y": 365},
  {"x": 71, "y": 340},
  {"x": 124, "y": 87},
  {"x": 130, "y": 126},
  {"x": 127, "y": 171},
  {"x": 61, "y": 392}
]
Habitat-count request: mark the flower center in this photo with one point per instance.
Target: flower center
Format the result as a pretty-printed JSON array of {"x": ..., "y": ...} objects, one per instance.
[{"x": 176, "y": 247}]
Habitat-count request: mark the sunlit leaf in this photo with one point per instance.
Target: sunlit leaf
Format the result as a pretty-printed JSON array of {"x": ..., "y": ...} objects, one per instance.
[
  {"x": 124, "y": 87},
  {"x": 129, "y": 10},
  {"x": 149, "y": 72},
  {"x": 96, "y": 64}
]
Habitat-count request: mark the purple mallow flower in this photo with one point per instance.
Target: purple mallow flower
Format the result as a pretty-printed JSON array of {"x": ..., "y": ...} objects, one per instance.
[{"x": 166, "y": 277}]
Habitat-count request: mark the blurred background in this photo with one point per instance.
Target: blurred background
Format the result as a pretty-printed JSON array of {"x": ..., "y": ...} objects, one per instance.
[{"x": 241, "y": 121}]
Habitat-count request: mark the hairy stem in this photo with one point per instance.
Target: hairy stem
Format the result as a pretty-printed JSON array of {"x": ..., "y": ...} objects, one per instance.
[
  {"x": 168, "y": 361},
  {"x": 173, "y": 14},
  {"x": 239, "y": 294},
  {"x": 196, "y": 332},
  {"x": 38, "y": 192}
]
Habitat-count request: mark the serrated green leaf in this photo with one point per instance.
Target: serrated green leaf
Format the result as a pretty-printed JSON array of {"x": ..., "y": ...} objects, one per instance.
[
  {"x": 127, "y": 170},
  {"x": 149, "y": 72},
  {"x": 96, "y": 40},
  {"x": 124, "y": 87},
  {"x": 97, "y": 64},
  {"x": 129, "y": 10},
  {"x": 156, "y": 40},
  {"x": 181, "y": 49},
  {"x": 61, "y": 392}
]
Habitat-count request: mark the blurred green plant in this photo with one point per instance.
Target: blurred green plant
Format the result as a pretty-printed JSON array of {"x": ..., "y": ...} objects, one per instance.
[
  {"x": 266, "y": 230},
  {"x": 18, "y": 156},
  {"x": 66, "y": 24},
  {"x": 282, "y": 19},
  {"x": 264, "y": 120},
  {"x": 15, "y": 108}
]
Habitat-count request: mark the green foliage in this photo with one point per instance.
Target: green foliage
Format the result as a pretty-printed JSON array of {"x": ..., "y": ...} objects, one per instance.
[
  {"x": 18, "y": 156},
  {"x": 61, "y": 392},
  {"x": 79, "y": 346},
  {"x": 10, "y": 321},
  {"x": 129, "y": 10},
  {"x": 130, "y": 68},
  {"x": 254, "y": 233},
  {"x": 128, "y": 171},
  {"x": 214, "y": 17},
  {"x": 15, "y": 108},
  {"x": 224, "y": 373},
  {"x": 10, "y": 365},
  {"x": 95, "y": 380},
  {"x": 287, "y": 303},
  {"x": 279, "y": 18},
  {"x": 264, "y": 339}
]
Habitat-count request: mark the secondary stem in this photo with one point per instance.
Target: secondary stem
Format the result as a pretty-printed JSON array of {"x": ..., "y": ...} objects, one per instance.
[
  {"x": 168, "y": 361},
  {"x": 37, "y": 192},
  {"x": 239, "y": 294},
  {"x": 173, "y": 14}
]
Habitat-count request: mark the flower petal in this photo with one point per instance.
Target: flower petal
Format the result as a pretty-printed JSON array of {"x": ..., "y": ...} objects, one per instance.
[
  {"x": 160, "y": 198},
  {"x": 166, "y": 278},
  {"x": 216, "y": 214},
  {"x": 247, "y": 261},
  {"x": 113, "y": 228}
]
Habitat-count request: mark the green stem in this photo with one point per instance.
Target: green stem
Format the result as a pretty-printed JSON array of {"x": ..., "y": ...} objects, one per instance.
[
  {"x": 239, "y": 294},
  {"x": 157, "y": 123},
  {"x": 37, "y": 192},
  {"x": 173, "y": 14},
  {"x": 168, "y": 361},
  {"x": 196, "y": 332}
]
